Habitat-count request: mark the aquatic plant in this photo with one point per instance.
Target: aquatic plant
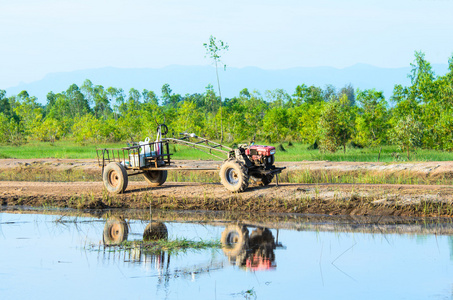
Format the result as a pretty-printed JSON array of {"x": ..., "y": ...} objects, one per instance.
[{"x": 170, "y": 246}]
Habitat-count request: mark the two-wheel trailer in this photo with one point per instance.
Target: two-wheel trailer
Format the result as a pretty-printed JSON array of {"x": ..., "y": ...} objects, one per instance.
[{"x": 153, "y": 161}]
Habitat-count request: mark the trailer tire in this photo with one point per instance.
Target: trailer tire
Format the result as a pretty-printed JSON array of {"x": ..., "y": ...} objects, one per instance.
[
  {"x": 155, "y": 178},
  {"x": 233, "y": 176},
  {"x": 115, "y": 178},
  {"x": 115, "y": 231}
]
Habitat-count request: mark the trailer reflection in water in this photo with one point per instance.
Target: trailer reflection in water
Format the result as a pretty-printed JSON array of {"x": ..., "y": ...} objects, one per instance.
[{"x": 116, "y": 231}]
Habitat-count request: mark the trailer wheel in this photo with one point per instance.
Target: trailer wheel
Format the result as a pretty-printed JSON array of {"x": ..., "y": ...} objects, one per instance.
[
  {"x": 115, "y": 178},
  {"x": 234, "y": 239},
  {"x": 115, "y": 231},
  {"x": 155, "y": 178},
  {"x": 233, "y": 175},
  {"x": 155, "y": 231}
]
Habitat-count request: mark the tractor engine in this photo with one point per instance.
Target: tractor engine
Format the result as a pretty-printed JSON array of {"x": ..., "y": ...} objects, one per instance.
[{"x": 261, "y": 155}]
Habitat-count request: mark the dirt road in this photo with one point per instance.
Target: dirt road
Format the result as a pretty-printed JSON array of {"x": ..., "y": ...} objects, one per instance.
[
  {"x": 434, "y": 169},
  {"x": 350, "y": 199}
]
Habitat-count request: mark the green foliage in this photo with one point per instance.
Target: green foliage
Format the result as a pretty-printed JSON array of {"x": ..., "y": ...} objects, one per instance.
[
  {"x": 214, "y": 48},
  {"x": 421, "y": 115},
  {"x": 86, "y": 129},
  {"x": 429, "y": 100},
  {"x": 372, "y": 120},
  {"x": 336, "y": 125},
  {"x": 275, "y": 124},
  {"x": 9, "y": 131},
  {"x": 48, "y": 130},
  {"x": 308, "y": 121},
  {"x": 443, "y": 129},
  {"x": 309, "y": 95},
  {"x": 408, "y": 134}
]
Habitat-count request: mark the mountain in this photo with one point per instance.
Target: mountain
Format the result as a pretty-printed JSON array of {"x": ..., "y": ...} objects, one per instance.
[{"x": 194, "y": 79}]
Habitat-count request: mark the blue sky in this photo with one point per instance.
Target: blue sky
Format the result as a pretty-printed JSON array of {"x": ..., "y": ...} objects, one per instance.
[{"x": 41, "y": 37}]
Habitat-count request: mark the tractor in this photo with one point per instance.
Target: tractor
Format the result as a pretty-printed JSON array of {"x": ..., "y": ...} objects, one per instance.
[{"x": 153, "y": 160}]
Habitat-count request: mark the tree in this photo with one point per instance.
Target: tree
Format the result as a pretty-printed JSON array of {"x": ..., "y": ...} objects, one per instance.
[
  {"x": 28, "y": 111},
  {"x": 329, "y": 93},
  {"x": 278, "y": 97},
  {"x": 101, "y": 102},
  {"x": 5, "y": 106},
  {"x": 51, "y": 99},
  {"x": 150, "y": 97},
  {"x": 408, "y": 134},
  {"x": 169, "y": 98},
  {"x": 116, "y": 96},
  {"x": 422, "y": 100},
  {"x": 336, "y": 125},
  {"x": 214, "y": 50},
  {"x": 78, "y": 103},
  {"x": 48, "y": 131},
  {"x": 372, "y": 119},
  {"x": 86, "y": 128},
  {"x": 275, "y": 124},
  {"x": 307, "y": 94},
  {"x": 10, "y": 131},
  {"x": 348, "y": 90},
  {"x": 308, "y": 121},
  {"x": 189, "y": 118},
  {"x": 133, "y": 102}
]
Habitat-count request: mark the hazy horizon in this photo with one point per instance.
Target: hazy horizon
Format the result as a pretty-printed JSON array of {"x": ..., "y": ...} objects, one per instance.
[
  {"x": 51, "y": 36},
  {"x": 194, "y": 79}
]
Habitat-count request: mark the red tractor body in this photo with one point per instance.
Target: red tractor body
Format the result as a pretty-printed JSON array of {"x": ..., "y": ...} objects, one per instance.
[
  {"x": 260, "y": 150},
  {"x": 260, "y": 155}
]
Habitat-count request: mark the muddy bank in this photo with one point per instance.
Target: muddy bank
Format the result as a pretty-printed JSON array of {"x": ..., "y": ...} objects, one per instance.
[
  {"x": 291, "y": 221},
  {"x": 330, "y": 199}
]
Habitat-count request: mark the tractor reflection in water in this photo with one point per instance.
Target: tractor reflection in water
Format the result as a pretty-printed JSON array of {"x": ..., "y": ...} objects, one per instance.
[{"x": 254, "y": 252}]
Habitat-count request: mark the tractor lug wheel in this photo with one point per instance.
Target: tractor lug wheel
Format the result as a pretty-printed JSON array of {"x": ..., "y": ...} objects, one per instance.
[{"x": 234, "y": 176}]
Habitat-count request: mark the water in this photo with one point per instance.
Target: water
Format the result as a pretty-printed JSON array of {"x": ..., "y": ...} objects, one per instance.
[{"x": 47, "y": 257}]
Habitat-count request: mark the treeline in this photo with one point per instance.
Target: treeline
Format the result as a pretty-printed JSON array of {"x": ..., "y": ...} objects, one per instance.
[{"x": 420, "y": 114}]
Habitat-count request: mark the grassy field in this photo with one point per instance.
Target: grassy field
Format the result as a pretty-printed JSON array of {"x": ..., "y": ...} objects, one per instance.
[{"x": 296, "y": 152}]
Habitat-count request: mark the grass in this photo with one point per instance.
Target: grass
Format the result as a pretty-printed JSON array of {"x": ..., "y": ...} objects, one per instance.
[
  {"x": 363, "y": 176},
  {"x": 170, "y": 246},
  {"x": 299, "y": 152},
  {"x": 296, "y": 152},
  {"x": 59, "y": 149}
]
